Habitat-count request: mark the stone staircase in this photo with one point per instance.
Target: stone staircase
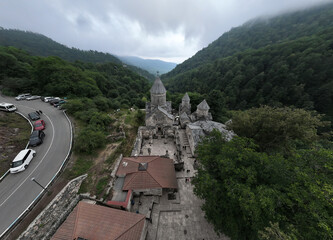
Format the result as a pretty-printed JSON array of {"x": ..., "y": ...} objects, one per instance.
[{"x": 184, "y": 139}]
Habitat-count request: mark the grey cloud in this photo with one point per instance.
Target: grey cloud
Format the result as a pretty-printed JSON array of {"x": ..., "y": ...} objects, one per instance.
[{"x": 147, "y": 28}]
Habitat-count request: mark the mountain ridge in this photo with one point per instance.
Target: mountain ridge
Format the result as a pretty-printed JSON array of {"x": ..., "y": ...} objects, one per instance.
[
  {"x": 151, "y": 65},
  {"x": 249, "y": 35}
]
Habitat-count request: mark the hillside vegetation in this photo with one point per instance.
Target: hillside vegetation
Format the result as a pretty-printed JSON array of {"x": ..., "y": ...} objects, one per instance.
[
  {"x": 40, "y": 45},
  {"x": 286, "y": 60},
  {"x": 259, "y": 33},
  {"x": 151, "y": 65},
  {"x": 111, "y": 84}
]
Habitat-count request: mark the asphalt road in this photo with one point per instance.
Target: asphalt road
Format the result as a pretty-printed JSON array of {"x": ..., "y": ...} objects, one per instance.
[{"x": 17, "y": 191}]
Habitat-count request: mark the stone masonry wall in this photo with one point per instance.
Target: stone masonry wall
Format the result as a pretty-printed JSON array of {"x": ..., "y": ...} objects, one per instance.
[{"x": 48, "y": 221}]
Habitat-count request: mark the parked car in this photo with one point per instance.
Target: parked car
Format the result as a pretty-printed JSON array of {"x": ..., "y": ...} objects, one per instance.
[
  {"x": 58, "y": 104},
  {"x": 36, "y": 138},
  {"x": 7, "y": 107},
  {"x": 54, "y": 100},
  {"x": 22, "y": 160},
  {"x": 46, "y": 99},
  {"x": 39, "y": 125},
  {"x": 23, "y": 96},
  {"x": 33, "y": 97},
  {"x": 33, "y": 116}
]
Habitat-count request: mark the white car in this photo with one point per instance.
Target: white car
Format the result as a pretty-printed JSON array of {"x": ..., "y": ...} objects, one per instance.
[
  {"x": 33, "y": 98},
  {"x": 23, "y": 96},
  {"x": 47, "y": 99},
  {"x": 7, "y": 107},
  {"x": 22, "y": 160}
]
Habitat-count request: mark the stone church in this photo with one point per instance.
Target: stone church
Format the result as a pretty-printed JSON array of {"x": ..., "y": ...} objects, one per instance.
[
  {"x": 161, "y": 121},
  {"x": 158, "y": 111}
]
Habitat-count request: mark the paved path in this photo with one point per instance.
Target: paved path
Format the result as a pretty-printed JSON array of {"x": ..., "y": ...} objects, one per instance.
[
  {"x": 17, "y": 191},
  {"x": 181, "y": 218}
]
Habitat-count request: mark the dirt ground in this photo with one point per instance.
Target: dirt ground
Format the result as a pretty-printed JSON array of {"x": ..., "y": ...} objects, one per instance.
[{"x": 14, "y": 136}]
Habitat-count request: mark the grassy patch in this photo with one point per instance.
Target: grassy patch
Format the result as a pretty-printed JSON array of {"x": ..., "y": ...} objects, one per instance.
[
  {"x": 81, "y": 166},
  {"x": 102, "y": 183},
  {"x": 14, "y": 136}
]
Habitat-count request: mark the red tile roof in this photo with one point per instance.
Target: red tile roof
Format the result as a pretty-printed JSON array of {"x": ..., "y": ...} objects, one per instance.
[
  {"x": 160, "y": 173},
  {"x": 91, "y": 222}
]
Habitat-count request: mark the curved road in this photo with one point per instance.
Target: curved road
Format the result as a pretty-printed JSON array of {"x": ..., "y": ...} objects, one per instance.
[{"x": 17, "y": 191}]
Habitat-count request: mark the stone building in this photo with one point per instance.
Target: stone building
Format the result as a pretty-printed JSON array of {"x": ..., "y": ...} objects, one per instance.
[
  {"x": 158, "y": 110},
  {"x": 196, "y": 130},
  {"x": 185, "y": 106},
  {"x": 147, "y": 174},
  {"x": 202, "y": 113}
]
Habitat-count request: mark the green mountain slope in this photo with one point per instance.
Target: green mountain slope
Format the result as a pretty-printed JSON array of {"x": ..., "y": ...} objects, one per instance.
[
  {"x": 110, "y": 84},
  {"x": 293, "y": 70},
  {"x": 40, "y": 45},
  {"x": 259, "y": 33},
  {"x": 150, "y": 65}
]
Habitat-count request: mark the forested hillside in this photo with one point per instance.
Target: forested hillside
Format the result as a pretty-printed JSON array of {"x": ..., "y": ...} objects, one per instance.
[
  {"x": 40, "y": 45},
  {"x": 110, "y": 84},
  {"x": 259, "y": 33},
  {"x": 151, "y": 65},
  {"x": 290, "y": 70}
]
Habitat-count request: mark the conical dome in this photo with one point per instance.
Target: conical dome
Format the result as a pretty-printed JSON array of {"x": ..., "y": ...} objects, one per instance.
[
  {"x": 186, "y": 98},
  {"x": 203, "y": 105},
  {"x": 158, "y": 87}
]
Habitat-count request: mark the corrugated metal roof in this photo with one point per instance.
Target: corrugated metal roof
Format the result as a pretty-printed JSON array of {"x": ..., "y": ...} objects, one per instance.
[
  {"x": 158, "y": 87},
  {"x": 91, "y": 222}
]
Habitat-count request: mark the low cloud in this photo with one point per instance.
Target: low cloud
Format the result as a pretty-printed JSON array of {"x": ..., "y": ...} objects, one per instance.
[{"x": 164, "y": 29}]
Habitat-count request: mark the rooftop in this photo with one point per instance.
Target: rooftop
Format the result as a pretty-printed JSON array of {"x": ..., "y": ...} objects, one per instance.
[
  {"x": 203, "y": 105},
  {"x": 159, "y": 172},
  {"x": 186, "y": 98},
  {"x": 89, "y": 221},
  {"x": 158, "y": 87}
]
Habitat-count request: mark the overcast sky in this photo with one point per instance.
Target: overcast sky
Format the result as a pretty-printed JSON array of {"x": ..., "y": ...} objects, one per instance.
[{"x": 171, "y": 30}]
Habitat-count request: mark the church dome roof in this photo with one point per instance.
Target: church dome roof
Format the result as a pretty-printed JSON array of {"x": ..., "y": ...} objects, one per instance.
[
  {"x": 203, "y": 105},
  {"x": 186, "y": 98},
  {"x": 158, "y": 87}
]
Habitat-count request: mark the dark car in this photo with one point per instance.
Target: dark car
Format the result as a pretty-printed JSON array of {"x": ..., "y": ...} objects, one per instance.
[
  {"x": 36, "y": 138},
  {"x": 59, "y": 103},
  {"x": 54, "y": 100},
  {"x": 33, "y": 116}
]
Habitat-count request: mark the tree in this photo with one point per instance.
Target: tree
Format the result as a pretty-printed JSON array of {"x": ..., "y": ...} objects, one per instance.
[
  {"x": 246, "y": 190},
  {"x": 277, "y": 129}
]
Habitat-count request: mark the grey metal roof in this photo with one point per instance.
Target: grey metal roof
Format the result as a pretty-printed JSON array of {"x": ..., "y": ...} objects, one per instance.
[
  {"x": 203, "y": 105},
  {"x": 158, "y": 87},
  {"x": 186, "y": 98}
]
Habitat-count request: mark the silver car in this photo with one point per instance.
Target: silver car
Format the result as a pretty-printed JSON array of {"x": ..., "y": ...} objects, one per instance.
[
  {"x": 32, "y": 97},
  {"x": 23, "y": 96}
]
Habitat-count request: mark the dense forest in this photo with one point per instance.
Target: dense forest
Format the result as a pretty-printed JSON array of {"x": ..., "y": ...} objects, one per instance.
[
  {"x": 273, "y": 180},
  {"x": 295, "y": 69},
  {"x": 259, "y": 33},
  {"x": 40, "y": 45},
  {"x": 111, "y": 83}
]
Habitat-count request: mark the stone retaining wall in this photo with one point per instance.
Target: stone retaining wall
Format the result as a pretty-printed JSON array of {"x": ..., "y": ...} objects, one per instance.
[{"x": 48, "y": 221}]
